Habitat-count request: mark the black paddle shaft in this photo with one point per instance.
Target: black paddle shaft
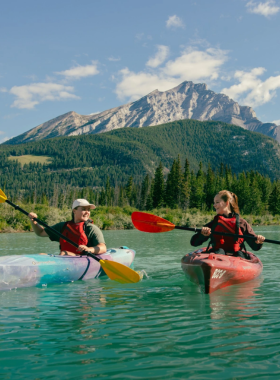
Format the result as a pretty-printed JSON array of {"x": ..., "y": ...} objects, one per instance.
[
  {"x": 225, "y": 234},
  {"x": 51, "y": 229}
]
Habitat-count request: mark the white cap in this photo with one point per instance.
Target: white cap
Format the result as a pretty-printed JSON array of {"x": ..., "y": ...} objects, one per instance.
[{"x": 82, "y": 202}]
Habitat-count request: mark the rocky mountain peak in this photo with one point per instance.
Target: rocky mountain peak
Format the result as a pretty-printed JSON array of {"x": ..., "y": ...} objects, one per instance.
[{"x": 188, "y": 100}]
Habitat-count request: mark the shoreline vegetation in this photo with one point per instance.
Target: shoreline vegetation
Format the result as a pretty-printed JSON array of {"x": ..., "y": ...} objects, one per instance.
[{"x": 114, "y": 218}]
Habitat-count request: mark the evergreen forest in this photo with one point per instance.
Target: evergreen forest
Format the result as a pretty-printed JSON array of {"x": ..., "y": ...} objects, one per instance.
[{"x": 182, "y": 164}]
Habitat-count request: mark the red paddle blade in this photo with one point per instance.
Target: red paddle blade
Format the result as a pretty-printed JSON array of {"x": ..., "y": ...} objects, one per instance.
[{"x": 150, "y": 223}]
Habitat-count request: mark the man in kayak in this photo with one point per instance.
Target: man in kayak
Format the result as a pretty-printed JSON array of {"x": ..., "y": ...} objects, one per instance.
[
  {"x": 227, "y": 220},
  {"x": 80, "y": 230}
]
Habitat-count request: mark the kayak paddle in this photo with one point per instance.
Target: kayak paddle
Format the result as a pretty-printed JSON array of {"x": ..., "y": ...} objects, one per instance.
[
  {"x": 154, "y": 224},
  {"x": 115, "y": 271}
]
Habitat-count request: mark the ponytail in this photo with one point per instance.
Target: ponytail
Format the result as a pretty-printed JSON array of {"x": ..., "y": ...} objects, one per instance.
[{"x": 230, "y": 197}]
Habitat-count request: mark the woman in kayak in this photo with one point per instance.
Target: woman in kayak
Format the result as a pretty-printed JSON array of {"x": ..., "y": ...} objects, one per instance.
[
  {"x": 80, "y": 230},
  {"x": 227, "y": 220}
]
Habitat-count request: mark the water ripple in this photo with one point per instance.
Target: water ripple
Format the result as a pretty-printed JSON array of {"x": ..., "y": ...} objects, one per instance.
[{"x": 161, "y": 328}]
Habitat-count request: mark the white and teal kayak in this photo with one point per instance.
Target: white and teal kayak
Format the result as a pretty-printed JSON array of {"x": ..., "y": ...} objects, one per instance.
[{"x": 20, "y": 271}]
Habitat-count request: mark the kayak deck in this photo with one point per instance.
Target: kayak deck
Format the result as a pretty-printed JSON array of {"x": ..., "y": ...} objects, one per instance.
[
  {"x": 213, "y": 271},
  {"x": 20, "y": 271}
]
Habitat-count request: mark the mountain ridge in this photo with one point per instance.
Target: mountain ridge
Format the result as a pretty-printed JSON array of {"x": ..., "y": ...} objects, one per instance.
[{"x": 185, "y": 101}]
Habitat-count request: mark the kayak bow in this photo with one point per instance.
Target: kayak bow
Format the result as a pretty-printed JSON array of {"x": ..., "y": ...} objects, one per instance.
[{"x": 213, "y": 271}]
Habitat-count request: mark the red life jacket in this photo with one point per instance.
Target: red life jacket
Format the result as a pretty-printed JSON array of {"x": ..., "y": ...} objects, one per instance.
[
  {"x": 227, "y": 225},
  {"x": 76, "y": 233}
]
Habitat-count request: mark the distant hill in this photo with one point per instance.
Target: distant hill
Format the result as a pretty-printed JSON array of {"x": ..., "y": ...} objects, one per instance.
[
  {"x": 89, "y": 160},
  {"x": 186, "y": 101}
]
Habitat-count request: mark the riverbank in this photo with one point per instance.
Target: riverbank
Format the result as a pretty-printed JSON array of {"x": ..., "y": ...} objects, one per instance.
[{"x": 114, "y": 218}]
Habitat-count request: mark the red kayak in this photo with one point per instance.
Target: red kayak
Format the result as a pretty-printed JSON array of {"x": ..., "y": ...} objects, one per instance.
[{"x": 213, "y": 271}]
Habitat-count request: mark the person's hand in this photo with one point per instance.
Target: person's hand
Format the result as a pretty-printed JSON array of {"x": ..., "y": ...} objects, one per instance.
[
  {"x": 260, "y": 239},
  {"x": 206, "y": 231},
  {"x": 32, "y": 215},
  {"x": 82, "y": 248}
]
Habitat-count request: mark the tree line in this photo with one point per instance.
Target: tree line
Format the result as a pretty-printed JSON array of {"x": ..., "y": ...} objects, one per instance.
[
  {"x": 178, "y": 187},
  {"x": 185, "y": 189}
]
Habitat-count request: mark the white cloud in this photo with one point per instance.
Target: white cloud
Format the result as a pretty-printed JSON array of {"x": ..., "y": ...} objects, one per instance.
[
  {"x": 174, "y": 22},
  {"x": 159, "y": 57},
  {"x": 113, "y": 59},
  {"x": 268, "y": 8},
  {"x": 2, "y": 133},
  {"x": 251, "y": 90},
  {"x": 78, "y": 72},
  {"x": 3, "y": 89},
  {"x": 136, "y": 85},
  {"x": 28, "y": 96},
  {"x": 196, "y": 65},
  {"x": 192, "y": 65},
  {"x": 277, "y": 122}
]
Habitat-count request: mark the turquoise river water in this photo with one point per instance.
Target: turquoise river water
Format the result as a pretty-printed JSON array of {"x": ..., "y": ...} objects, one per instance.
[{"x": 160, "y": 328}]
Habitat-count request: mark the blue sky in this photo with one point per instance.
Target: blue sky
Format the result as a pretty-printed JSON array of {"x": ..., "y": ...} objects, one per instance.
[{"x": 89, "y": 56}]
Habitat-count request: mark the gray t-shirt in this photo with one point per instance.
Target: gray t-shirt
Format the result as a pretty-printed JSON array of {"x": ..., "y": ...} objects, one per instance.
[{"x": 94, "y": 234}]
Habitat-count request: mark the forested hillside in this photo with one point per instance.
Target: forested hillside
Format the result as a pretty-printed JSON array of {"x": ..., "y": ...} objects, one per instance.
[
  {"x": 91, "y": 160},
  {"x": 183, "y": 197}
]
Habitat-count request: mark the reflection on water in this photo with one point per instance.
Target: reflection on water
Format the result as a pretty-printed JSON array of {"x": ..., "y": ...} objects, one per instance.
[{"x": 239, "y": 301}]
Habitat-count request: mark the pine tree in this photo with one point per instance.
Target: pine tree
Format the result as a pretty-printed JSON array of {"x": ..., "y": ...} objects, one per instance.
[
  {"x": 144, "y": 192},
  {"x": 174, "y": 185},
  {"x": 178, "y": 178},
  {"x": 274, "y": 199},
  {"x": 108, "y": 193},
  {"x": 102, "y": 198},
  {"x": 242, "y": 189},
  {"x": 197, "y": 196},
  {"x": 228, "y": 178},
  {"x": 185, "y": 187},
  {"x": 254, "y": 203},
  {"x": 128, "y": 188},
  {"x": 149, "y": 202},
  {"x": 122, "y": 198},
  {"x": 187, "y": 170},
  {"x": 133, "y": 196},
  {"x": 222, "y": 168},
  {"x": 158, "y": 189},
  {"x": 169, "y": 192},
  {"x": 265, "y": 186},
  {"x": 210, "y": 188}
]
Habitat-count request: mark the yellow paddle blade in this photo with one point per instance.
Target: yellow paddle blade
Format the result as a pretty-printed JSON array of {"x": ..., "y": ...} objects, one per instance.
[
  {"x": 119, "y": 272},
  {"x": 3, "y": 197}
]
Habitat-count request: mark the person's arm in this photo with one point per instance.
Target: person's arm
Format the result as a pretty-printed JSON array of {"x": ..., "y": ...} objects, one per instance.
[
  {"x": 201, "y": 237},
  {"x": 96, "y": 242},
  {"x": 256, "y": 244},
  {"x": 39, "y": 230},
  {"x": 96, "y": 250}
]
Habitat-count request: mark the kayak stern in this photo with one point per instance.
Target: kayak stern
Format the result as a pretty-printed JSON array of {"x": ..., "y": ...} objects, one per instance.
[{"x": 20, "y": 271}]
